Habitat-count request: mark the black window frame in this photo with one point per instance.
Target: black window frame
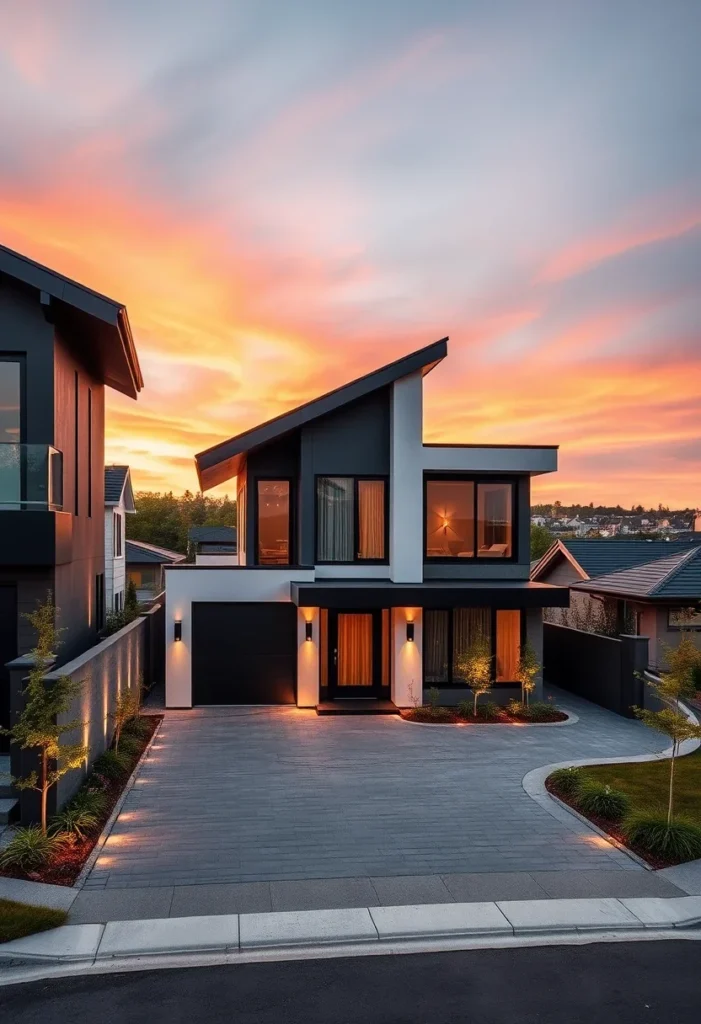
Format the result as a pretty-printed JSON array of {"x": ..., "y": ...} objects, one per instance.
[
  {"x": 277, "y": 479},
  {"x": 21, "y": 359},
  {"x": 452, "y": 683},
  {"x": 356, "y": 478},
  {"x": 116, "y": 533},
  {"x": 476, "y": 480},
  {"x": 100, "y": 601}
]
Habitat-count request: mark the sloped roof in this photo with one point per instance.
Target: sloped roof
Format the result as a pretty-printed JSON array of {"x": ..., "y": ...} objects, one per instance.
[
  {"x": 99, "y": 323},
  {"x": 115, "y": 479},
  {"x": 212, "y": 534},
  {"x": 224, "y": 460},
  {"x": 598, "y": 556},
  {"x": 676, "y": 577},
  {"x": 138, "y": 551}
]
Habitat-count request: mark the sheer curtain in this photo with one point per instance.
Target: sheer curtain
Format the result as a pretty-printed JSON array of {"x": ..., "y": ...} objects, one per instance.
[
  {"x": 508, "y": 645},
  {"x": 468, "y": 623},
  {"x": 371, "y": 519},
  {"x": 354, "y": 649},
  {"x": 435, "y": 644},
  {"x": 334, "y": 519}
]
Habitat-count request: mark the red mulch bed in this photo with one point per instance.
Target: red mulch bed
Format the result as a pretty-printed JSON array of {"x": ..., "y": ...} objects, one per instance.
[
  {"x": 446, "y": 716},
  {"x": 612, "y": 829},
  {"x": 66, "y": 867}
]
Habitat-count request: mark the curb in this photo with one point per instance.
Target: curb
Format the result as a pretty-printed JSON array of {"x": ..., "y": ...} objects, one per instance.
[
  {"x": 286, "y": 932},
  {"x": 571, "y": 719}
]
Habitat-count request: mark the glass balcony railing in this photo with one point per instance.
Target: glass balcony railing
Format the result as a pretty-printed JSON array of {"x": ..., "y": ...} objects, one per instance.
[{"x": 31, "y": 477}]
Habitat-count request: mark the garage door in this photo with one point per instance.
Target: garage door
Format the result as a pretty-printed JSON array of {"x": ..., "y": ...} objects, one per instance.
[{"x": 244, "y": 653}]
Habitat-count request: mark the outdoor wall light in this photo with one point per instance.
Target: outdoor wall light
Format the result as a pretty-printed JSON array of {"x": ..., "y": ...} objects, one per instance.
[
  {"x": 307, "y": 630},
  {"x": 177, "y": 630},
  {"x": 410, "y": 632}
]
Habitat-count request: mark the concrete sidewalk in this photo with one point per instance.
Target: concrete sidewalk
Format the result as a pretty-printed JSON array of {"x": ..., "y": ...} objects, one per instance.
[{"x": 348, "y": 928}]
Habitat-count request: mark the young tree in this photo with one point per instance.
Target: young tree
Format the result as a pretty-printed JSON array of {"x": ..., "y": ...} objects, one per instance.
[
  {"x": 475, "y": 665},
  {"x": 37, "y": 727},
  {"x": 127, "y": 706},
  {"x": 675, "y": 684},
  {"x": 526, "y": 671},
  {"x": 131, "y": 601},
  {"x": 541, "y": 539}
]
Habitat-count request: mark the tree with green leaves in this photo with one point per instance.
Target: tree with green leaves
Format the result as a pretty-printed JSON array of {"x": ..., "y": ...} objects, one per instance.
[
  {"x": 541, "y": 539},
  {"x": 526, "y": 671},
  {"x": 475, "y": 666},
  {"x": 131, "y": 601},
  {"x": 674, "y": 685},
  {"x": 37, "y": 727},
  {"x": 127, "y": 706}
]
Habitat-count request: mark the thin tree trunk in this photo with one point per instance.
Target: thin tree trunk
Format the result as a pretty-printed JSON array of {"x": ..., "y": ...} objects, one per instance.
[
  {"x": 44, "y": 789},
  {"x": 475, "y": 711},
  {"x": 671, "y": 783}
]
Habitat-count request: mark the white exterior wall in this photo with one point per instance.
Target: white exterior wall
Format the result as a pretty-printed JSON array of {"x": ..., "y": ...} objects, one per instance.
[
  {"x": 183, "y": 586},
  {"x": 307, "y": 658},
  {"x": 115, "y": 567},
  {"x": 406, "y": 529},
  {"x": 407, "y": 658},
  {"x": 217, "y": 559}
]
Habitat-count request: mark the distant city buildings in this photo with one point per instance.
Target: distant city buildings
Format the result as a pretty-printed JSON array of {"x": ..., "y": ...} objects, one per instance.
[{"x": 674, "y": 525}]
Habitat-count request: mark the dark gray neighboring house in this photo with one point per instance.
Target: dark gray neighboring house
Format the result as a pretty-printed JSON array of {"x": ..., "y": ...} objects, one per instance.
[
  {"x": 61, "y": 345},
  {"x": 144, "y": 565},
  {"x": 366, "y": 560},
  {"x": 211, "y": 540}
]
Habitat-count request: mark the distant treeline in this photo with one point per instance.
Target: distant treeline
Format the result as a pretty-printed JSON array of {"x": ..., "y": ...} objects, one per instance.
[
  {"x": 164, "y": 519},
  {"x": 558, "y": 509}
]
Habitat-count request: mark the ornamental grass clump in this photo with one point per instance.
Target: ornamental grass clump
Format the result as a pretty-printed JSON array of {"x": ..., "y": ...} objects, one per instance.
[
  {"x": 112, "y": 765},
  {"x": 600, "y": 799},
  {"x": 567, "y": 780},
  {"x": 74, "y": 820},
  {"x": 31, "y": 848},
  {"x": 651, "y": 831}
]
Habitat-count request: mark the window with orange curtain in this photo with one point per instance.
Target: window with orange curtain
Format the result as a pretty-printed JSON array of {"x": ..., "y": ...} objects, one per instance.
[
  {"x": 354, "y": 649},
  {"x": 508, "y": 645},
  {"x": 371, "y": 519}
]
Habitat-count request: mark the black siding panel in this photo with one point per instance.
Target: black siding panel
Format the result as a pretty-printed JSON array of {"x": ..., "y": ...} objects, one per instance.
[{"x": 244, "y": 653}]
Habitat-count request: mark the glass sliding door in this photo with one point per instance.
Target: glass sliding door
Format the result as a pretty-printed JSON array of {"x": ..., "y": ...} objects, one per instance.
[
  {"x": 335, "y": 519},
  {"x": 11, "y": 453}
]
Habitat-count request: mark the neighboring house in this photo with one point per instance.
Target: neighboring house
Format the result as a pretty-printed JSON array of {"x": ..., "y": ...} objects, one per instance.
[
  {"x": 119, "y": 502},
  {"x": 60, "y": 345},
  {"x": 634, "y": 586},
  {"x": 144, "y": 567},
  {"x": 367, "y": 560},
  {"x": 205, "y": 541}
]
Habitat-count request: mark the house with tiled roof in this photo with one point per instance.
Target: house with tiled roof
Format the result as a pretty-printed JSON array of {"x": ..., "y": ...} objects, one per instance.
[
  {"x": 144, "y": 567},
  {"x": 119, "y": 502}
]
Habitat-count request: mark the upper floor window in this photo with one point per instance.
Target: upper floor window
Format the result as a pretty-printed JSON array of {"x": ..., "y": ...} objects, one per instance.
[
  {"x": 468, "y": 518},
  {"x": 273, "y": 522},
  {"x": 10, "y": 401},
  {"x": 116, "y": 534},
  {"x": 351, "y": 520}
]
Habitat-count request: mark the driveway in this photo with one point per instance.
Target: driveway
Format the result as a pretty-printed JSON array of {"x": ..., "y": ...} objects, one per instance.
[{"x": 251, "y": 794}]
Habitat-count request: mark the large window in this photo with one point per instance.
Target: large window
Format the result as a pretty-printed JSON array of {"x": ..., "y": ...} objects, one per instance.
[
  {"x": 448, "y": 633},
  {"x": 116, "y": 534},
  {"x": 273, "y": 522},
  {"x": 351, "y": 519},
  {"x": 10, "y": 401},
  {"x": 468, "y": 519}
]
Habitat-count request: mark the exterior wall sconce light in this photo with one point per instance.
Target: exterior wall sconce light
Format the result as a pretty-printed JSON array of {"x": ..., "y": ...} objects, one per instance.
[
  {"x": 410, "y": 632},
  {"x": 307, "y": 630},
  {"x": 177, "y": 630}
]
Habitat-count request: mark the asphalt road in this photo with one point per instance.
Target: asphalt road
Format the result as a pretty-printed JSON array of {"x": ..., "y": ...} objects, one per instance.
[{"x": 626, "y": 983}]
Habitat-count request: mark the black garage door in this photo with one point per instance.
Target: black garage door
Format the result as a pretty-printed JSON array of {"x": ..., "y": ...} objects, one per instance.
[{"x": 244, "y": 653}]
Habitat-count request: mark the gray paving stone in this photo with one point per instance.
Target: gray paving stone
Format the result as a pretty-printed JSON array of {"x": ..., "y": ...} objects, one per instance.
[
  {"x": 411, "y": 889},
  {"x": 126, "y": 905},
  {"x": 468, "y": 888},
  {"x": 320, "y": 894},
  {"x": 221, "y": 898},
  {"x": 618, "y": 884}
]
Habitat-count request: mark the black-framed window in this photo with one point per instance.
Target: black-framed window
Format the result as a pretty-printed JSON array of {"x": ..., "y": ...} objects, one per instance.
[
  {"x": 467, "y": 518},
  {"x": 684, "y": 618},
  {"x": 352, "y": 521},
  {"x": 12, "y": 411},
  {"x": 116, "y": 534},
  {"x": 448, "y": 632},
  {"x": 99, "y": 601},
  {"x": 273, "y": 522}
]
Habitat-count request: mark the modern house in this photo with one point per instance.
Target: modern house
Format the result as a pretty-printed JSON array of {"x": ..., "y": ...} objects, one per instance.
[
  {"x": 61, "y": 344},
  {"x": 366, "y": 558},
  {"x": 642, "y": 587},
  {"x": 204, "y": 541},
  {"x": 144, "y": 567},
  {"x": 119, "y": 502}
]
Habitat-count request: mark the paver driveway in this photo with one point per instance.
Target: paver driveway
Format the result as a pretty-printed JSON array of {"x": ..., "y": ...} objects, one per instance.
[{"x": 245, "y": 794}]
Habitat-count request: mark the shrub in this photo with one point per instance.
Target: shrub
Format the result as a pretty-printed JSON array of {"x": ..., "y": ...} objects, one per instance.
[
  {"x": 75, "y": 820},
  {"x": 517, "y": 708},
  {"x": 597, "y": 798},
  {"x": 31, "y": 848},
  {"x": 112, "y": 765},
  {"x": 541, "y": 711},
  {"x": 678, "y": 840},
  {"x": 434, "y": 697},
  {"x": 90, "y": 800},
  {"x": 465, "y": 708},
  {"x": 567, "y": 780},
  {"x": 489, "y": 711},
  {"x": 139, "y": 726},
  {"x": 130, "y": 746}
]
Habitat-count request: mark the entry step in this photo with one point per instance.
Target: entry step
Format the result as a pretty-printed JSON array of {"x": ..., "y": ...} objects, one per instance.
[
  {"x": 8, "y": 810},
  {"x": 357, "y": 707}
]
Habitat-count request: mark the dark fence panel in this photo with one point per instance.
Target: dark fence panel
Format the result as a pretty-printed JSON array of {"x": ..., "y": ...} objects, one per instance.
[
  {"x": 155, "y": 660},
  {"x": 602, "y": 669}
]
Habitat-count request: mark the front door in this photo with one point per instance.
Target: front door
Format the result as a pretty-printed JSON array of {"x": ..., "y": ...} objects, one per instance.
[{"x": 355, "y": 653}]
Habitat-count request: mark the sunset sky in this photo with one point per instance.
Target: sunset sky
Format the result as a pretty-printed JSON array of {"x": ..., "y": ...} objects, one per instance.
[{"x": 287, "y": 194}]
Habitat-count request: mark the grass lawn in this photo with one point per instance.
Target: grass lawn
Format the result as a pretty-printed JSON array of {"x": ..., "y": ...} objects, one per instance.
[
  {"x": 647, "y": 783},
  {"x": 18, "y": 920}
]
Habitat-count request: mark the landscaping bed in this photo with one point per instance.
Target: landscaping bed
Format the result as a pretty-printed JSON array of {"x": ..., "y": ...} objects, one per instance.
[
  {"x": 99, "y": 793},
  {"x": 644, "y": 785},
  {"x": 18, "y": 920},
  {"x": 487, "y": 714}
]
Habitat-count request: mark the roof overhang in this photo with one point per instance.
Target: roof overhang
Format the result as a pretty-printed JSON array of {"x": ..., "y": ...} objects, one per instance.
[
  {"x": 223, "y": 461},
  {"x": 99, "y": 327},
  {"x": 361, "y": 594}
]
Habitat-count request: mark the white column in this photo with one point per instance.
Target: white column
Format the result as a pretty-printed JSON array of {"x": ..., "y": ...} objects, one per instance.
[
  {"x": 307, "y": 658},
  {"x": 407, "y": 659},
  {"x": 406, "y": 484}
]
